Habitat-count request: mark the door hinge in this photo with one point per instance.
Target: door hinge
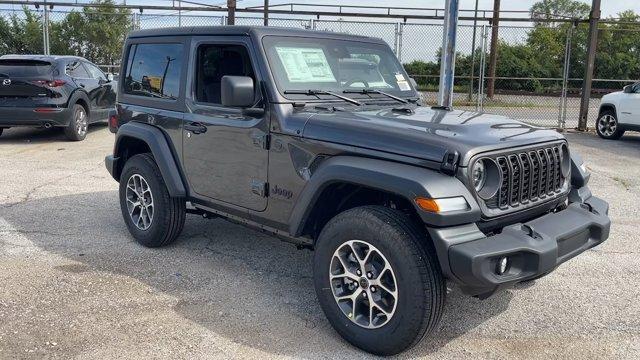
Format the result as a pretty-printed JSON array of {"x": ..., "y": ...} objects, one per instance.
[
  {"x": 260, "y": 188},
  {"x": 261, "y": 141}
]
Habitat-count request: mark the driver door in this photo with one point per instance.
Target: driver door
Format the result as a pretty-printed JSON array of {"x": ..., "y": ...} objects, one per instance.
[{"x": 224, "y": 150}]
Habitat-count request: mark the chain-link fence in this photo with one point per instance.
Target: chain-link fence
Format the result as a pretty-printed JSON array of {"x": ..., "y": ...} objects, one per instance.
[{"x": 538, "y": 71}]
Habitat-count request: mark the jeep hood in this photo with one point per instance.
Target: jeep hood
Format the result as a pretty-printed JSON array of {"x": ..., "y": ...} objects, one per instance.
[{"x": 424, "y": 133}]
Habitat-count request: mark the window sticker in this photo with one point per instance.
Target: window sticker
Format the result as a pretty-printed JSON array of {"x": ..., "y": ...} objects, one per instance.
[
  {"x": 305, "y": 64},
  {"x": 403, "y": 84}
]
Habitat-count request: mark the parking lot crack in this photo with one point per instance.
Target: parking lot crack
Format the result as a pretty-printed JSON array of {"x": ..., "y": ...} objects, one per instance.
[{"x": 29, "y": 195}]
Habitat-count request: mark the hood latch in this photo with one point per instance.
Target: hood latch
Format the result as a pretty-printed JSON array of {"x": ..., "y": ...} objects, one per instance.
[{"x": 449, "y": 164}]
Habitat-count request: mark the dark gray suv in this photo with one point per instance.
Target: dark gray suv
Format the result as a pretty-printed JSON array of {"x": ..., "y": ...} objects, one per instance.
[
  {"x": 321, "y": 139},
  {"x": 54, "y": 91}
]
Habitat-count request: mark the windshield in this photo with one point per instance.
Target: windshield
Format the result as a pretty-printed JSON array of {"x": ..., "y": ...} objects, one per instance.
[{"x": 339, "y": 66}]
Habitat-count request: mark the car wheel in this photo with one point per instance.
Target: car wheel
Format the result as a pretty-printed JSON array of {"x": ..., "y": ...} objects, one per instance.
[
  {"x": 378, "y": 280},
  {"x": 607, "y": 126},
  {"x": 78, "y": 125},
  {"x": 152, "y": 216}
]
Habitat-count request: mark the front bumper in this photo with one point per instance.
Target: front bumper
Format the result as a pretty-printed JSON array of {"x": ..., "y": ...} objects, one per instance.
[
  {"x": 533, "y": 248},
  {"x": 28, "y": 116}
]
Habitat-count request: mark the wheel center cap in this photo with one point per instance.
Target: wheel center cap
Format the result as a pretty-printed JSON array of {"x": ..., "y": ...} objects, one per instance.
[{"x": 364, "y": 283}]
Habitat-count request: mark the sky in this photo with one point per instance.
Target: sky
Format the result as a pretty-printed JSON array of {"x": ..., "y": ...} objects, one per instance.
[{"x": 609, "y": 7}]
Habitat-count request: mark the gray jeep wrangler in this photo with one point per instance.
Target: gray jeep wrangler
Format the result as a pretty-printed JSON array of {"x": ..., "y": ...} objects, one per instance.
[{"x": 321, "y": 139}]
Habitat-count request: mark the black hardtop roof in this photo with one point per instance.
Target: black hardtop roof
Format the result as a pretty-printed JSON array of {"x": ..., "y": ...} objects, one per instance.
[
  {"x": 49, "y": 58},
  {"x": 258, "y": 31}
]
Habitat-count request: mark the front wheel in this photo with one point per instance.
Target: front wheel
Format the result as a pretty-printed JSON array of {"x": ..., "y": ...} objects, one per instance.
[
  {"x": 153, "y": 217},
  {"x": 608, "y": 127},
  {"x": 377, "y": 279}
]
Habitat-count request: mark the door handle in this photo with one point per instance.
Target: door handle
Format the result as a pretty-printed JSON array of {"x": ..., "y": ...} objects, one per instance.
[{"x": 195, "y": 127}]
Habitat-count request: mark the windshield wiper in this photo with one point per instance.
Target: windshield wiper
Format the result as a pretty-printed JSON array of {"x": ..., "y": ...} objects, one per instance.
[
  {"x": 370, "y": 91},
  {"x": 322, "y": 92}
]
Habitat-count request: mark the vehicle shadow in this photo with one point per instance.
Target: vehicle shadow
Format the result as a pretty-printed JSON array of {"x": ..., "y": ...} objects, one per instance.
[
  {"x": 22, "y": 135},
  {"x": 248, "y": 287}
]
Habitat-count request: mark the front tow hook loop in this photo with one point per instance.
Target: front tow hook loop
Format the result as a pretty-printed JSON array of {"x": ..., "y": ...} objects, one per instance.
[{"x": 529, "y": 230}]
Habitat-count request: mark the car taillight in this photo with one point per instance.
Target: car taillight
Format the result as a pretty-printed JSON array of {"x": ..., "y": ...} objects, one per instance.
[
  {"x": 113, "y": 123},
  {"x": 50, "y": 83}
]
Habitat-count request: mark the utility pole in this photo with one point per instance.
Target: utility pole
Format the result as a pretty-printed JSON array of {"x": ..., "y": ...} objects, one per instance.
[
  {"x": 473, "y": 51},
  {"x": 448, "y": 57},
  {"x": 594, "y": 17},
  {"x": 493, "y": 56},
  {"x": 266, "y": 12},
  {"x": 231, "y": 12},
  {"x": 45, "y": 29}
]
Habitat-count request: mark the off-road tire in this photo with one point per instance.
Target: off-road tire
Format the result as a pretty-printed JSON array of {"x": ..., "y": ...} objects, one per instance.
[
  {"x": 609, "y": 114},
  {"x": 420, "y": 285},
  {"x": 78, "y": 125},
  {"x": 168, "y": 212}
]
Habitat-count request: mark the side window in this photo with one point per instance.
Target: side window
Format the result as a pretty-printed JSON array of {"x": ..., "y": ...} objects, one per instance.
[
  {"x": 216, "y": 61},
  {"x": 76, "y": 70},
  {"x": 154, "y": 70},
  {"x": 636, "y": 88},
  {"x": 95, "y": 72}
]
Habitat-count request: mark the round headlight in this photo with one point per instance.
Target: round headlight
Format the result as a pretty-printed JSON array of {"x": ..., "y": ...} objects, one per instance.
[
  {"x": 485, "y": 178},
  {"x": 478, "y": 175}
]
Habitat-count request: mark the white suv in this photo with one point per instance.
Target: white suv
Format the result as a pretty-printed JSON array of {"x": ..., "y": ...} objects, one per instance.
[{"x": 619, "y": 111}]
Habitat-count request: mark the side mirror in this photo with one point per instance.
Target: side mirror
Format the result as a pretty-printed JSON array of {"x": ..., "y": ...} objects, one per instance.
[
  {"x": 627, "y": 89},
  {"x": 237, "y": 91},
  {"x": 109, "y": 77}
]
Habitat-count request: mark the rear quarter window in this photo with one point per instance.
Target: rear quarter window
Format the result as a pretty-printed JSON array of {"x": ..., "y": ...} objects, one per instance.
[
  {"x": 153, "y": 70},
  {"x": 24, "y": 68}
]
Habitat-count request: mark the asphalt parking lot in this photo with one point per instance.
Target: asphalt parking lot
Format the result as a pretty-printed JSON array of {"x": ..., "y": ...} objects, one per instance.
[{"x": 74, "y": 284}]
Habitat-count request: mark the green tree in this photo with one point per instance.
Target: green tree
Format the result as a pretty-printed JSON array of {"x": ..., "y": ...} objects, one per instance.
[
  {"x": 96, "y": 33},
  {"x": 553, "y": 9}
]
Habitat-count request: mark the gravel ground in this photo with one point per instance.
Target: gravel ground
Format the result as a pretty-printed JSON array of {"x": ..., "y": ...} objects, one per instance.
[{"x": 73, "y": 284}]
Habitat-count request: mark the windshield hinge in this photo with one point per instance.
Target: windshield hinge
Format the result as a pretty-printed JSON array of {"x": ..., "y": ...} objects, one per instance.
[{"x": 261, "y": 141}]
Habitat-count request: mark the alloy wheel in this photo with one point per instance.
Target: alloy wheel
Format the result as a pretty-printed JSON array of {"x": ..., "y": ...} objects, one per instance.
[
  {"x": 363, "y": 283},
  {"x": 82, "y": 122},
  {"x": 139, "y": 202},
  {"x": 607, "y": 125}
]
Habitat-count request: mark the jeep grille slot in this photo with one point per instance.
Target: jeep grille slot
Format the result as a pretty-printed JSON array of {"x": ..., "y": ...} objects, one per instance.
[{"x": 528, "y": 176}]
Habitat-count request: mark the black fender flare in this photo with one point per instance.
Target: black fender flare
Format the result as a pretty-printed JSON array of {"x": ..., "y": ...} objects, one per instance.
[
  {"x": 162, "y": 153},
  {"x": 77, "y": 95},
  {"x": 608, "y": 105},
  {"x": 404, "y": 180}
]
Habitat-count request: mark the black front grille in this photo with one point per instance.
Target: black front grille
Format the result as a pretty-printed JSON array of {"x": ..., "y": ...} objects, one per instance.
[{"x": 528, "y": 176}]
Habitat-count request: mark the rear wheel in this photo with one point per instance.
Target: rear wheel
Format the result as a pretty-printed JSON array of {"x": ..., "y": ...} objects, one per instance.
[
  {"x": 377, "y": 279},
  {"x": 77, "y": 128},
  {"x": 153, "y": 217},
  {"x": 607, "y": 126}
]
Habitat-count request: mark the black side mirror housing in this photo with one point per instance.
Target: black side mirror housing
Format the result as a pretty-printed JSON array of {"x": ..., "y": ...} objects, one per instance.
[
  {"x": 628, "y": 89},
  {"x": 237, "y": 91}
]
